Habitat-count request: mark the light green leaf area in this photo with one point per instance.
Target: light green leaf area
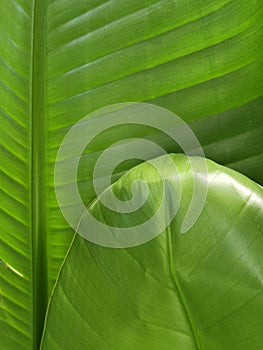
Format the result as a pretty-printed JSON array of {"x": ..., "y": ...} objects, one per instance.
[
  {"x": 18, "y": 325},
  {"x": 197, "y": 290}
]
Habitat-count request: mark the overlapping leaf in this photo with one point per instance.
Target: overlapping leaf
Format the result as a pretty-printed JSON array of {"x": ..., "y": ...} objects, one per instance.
[
  {"x": 60, "y": 60},
  {"x": 197, "y": 290}
]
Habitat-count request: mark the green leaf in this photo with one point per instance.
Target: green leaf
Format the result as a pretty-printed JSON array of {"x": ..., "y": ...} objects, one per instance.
[
  {"x": 23, "y": 300},
  {"x": 187, "y": 56},
  {"x": 198, "y": 290},
  {"x": 60, "y": 60}
]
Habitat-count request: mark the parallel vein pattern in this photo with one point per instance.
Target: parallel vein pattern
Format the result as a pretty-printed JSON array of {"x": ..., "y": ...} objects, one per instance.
[
  {"x": 16, "y": 322},
  {"x": 200, "y": 59}
]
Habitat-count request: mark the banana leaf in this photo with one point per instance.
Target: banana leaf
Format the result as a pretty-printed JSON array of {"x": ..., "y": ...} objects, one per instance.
[{"x": 59, "y": 61}]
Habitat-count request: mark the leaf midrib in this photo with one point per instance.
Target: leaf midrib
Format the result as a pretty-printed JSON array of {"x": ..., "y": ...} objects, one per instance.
[
  {"x": 37, "y": 138},
  {"x": 180, "y": 295}
]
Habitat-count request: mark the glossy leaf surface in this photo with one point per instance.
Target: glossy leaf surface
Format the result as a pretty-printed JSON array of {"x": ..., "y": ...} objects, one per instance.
[
  {"x": 198, "y": 290},
  {"x": 60, "y": 60}
]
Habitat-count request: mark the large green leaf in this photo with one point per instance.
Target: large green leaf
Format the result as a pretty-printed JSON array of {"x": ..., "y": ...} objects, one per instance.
[
  {"x": 188, "y": 56},
  {"x": 198, "y": 290},
  {"x": 60, "y": 60}
]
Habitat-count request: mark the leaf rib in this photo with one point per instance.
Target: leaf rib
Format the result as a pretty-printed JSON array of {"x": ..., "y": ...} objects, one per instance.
[
  {"x": 179, "y": 291},
  {"x": 38, "y": 239}
]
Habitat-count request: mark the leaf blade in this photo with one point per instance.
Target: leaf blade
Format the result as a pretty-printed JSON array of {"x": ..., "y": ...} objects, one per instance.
[{"x": 188, "y": 290}]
